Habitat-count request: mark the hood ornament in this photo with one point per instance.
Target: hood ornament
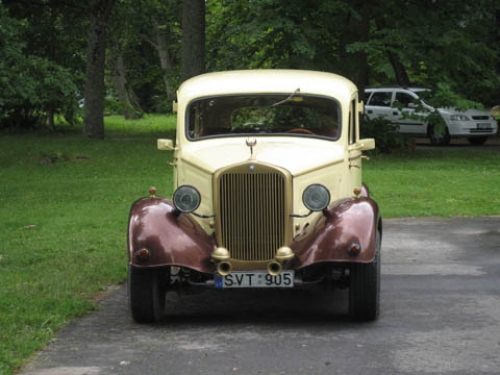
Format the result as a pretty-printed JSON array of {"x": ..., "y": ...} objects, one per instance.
[{"x": 251, "y": 142}]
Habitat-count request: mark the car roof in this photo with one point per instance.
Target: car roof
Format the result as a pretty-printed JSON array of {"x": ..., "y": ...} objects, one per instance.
[
  {"x": 266, "y": 81},
  {"x": 393, "y": 88}
]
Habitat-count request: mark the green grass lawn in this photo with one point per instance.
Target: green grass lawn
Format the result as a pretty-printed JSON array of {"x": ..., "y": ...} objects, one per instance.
[
  {"x": 446, "y": 182},
  {"x": 64, "y": 204}
]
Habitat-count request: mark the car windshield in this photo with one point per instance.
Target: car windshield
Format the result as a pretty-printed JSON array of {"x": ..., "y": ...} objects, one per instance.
[
  {"x": 425, "y": 95},
  {"x": 264, "y": 115}
]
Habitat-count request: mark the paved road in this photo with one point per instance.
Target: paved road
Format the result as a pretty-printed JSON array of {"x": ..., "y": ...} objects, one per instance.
[{"x": 440, "y": 315}]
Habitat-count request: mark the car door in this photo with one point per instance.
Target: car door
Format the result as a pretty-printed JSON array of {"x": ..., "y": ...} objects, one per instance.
[
  {"x": 379, "y": 105},
  {"x": 405, "y": 113},
  {"x": 355, "y": 153}
]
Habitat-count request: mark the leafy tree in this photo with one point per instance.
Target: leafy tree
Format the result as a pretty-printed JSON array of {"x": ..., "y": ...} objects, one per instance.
[
  {"x": 434, "y": 42},
  {"x": 274, "y": 34},
  {"x": 34, "y": 87},
  {"x": 393, "y": 41},
  {"x": 53, "y": 51},
  {"x": 145, "y": 35}
]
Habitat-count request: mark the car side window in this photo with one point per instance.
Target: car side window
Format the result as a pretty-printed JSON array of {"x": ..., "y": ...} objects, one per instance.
[
  {"x": 381, "y": 98},
  {"x": 352, "y": 123},
  {"x": 366, "y": 96},
  {"x": 405, "y": 100}
]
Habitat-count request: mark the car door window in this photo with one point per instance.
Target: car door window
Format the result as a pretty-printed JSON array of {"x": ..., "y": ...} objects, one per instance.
[
  {"x": 405, "y": 100},
  {"x": 381, "y": 98},
  {"x": 352, "y": 123}
]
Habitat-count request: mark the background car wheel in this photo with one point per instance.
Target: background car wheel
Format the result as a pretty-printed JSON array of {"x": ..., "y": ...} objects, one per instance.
[
  {"x": 477, "y": 141},
  {"x": 438, "y": 137},
  {"x": 147, "y": 289},
  {"x": 364, "y": 288}
]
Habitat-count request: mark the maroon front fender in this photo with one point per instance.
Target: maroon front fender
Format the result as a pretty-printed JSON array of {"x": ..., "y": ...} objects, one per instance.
[
  {"x": 171, "y": 239},
  {"x": 348, "y": 221}
]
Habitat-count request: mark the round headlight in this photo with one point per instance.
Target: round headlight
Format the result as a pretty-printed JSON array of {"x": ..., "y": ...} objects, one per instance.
[
  {"x": 186, "y": 199},
  {"x": 316, "y": 197}
]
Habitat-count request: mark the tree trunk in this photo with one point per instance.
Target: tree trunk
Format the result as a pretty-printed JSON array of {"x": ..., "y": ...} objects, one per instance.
[
  {"x": 356, "y": 29},
  {"x": 165, "y": 60},
  {"x": 52, "y": 124},
  {"x": 399, "y": 70},
  {"x": 497, "y": 28},
  {"x": 161, "y": 46},
  {"x": 193, "y": 38},
  {"x": 131, "y": 106},
  {"x": 93, "y": 121}
]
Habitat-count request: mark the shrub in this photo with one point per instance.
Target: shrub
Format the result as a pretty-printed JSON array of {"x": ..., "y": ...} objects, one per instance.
[
  {"x": 34, "y": 89},
  {"x": 387, "y": 136}
]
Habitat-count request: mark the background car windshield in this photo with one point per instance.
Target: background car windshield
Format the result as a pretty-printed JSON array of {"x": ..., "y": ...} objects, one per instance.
[
  {"x": 266, "y": 115},
  {"x": 425, "y": 95}
]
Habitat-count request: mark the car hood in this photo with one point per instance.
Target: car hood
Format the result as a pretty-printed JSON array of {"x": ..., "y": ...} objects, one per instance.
[
  {"x": 468, "y": 112},
  {"x": 292, "y": 155}
]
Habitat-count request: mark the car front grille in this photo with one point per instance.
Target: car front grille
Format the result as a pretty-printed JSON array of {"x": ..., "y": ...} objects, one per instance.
[{"x": 252, "y": 211}]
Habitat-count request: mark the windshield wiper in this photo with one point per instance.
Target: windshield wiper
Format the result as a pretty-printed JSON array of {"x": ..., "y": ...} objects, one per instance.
[{"x": 291, "y": 97}]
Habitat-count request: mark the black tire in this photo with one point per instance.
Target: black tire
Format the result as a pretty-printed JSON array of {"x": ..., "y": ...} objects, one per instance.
[
  {"x": 477, "y": 141},
  {"x": 146, "y": 291},
  {"x": 364, "y": 288},
  {"x": 438, "y": 138}
]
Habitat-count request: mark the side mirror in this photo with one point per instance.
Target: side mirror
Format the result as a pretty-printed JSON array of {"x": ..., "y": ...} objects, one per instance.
[
  {"x": 165, "y": 145},
  {"x": 366, "y": 144},
  {"x": 361, "y": 107}
]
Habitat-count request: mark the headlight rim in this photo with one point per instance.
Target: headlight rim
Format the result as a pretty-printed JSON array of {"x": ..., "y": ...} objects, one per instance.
[
  {"x": 176, "y": 199},
  {"x": 326, "y": 199}
]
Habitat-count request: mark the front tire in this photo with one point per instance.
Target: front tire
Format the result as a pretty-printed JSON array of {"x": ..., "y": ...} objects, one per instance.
[
  {"x": 438, "y": 137},
  {"x": 364, "y": 288},
  {"x": 146, "y": 289}
]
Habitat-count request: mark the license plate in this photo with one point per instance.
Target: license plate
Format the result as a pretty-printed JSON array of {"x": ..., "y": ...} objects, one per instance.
[
  {"x": 255, "y": 279},
  {"x": 484, "y": 126}
]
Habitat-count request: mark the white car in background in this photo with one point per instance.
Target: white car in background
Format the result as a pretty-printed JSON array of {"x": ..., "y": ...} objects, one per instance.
[{"x": 406, "y": 108}]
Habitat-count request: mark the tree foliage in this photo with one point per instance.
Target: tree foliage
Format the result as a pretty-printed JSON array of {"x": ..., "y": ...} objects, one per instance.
[
  {"x": 438, "y": 42},
  {"x": 34, "y": 86},
  {"x": 146, "y": 35},
  {"x": 292, "y": 34},
  {"x": 450, "y": 46}
]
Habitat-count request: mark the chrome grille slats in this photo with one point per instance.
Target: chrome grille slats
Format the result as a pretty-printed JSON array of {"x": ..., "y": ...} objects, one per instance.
[{"x": 252, "y": 212}]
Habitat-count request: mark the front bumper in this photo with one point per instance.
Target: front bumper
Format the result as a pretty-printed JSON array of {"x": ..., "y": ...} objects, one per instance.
[{"x": 472, "y": 128}]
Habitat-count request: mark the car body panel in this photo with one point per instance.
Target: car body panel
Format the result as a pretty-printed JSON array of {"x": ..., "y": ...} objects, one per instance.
[
  {"x": 177, "y": 240},
  {"x": 471, "y": 122},
  {"x": 348, "y": 221},
  {"x": 212, "y": 155},
  {"x": 172, "y": 239}
]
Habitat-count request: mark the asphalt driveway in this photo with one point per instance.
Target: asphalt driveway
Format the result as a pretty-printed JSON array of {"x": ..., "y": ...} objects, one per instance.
[{"x": 440, "y": 314}]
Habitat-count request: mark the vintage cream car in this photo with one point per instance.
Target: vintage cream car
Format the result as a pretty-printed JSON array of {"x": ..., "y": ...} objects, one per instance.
[{"x": 267, "y": 193}]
